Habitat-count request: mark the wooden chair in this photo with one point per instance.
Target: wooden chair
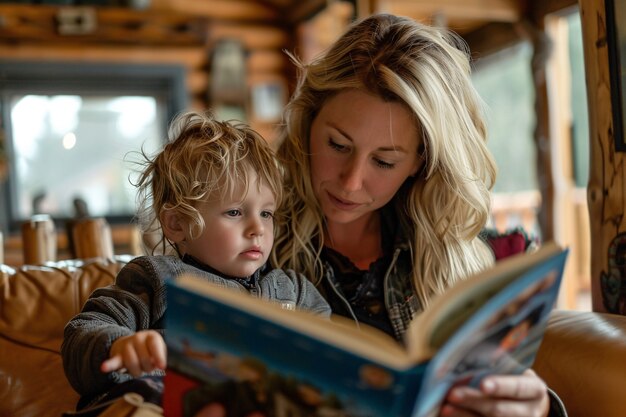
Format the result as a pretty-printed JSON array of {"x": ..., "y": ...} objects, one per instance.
[
  {"x": 90, "y": 238},
  {"x": 39, "y": 240},
  {"x": 86, "y": 238}
]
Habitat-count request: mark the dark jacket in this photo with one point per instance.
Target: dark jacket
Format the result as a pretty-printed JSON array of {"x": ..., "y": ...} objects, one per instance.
[{"x": 400, "y": 300}]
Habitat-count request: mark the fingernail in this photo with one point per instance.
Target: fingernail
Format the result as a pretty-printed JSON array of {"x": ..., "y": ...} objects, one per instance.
[{"x": 489, "y": 386}]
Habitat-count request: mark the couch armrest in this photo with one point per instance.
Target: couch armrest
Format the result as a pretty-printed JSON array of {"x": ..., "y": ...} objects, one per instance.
[{"x": 583, "y": 359}]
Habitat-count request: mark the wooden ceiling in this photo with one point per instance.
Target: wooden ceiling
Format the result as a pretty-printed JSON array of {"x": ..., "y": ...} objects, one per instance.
[{"x": 463, "y": 16}]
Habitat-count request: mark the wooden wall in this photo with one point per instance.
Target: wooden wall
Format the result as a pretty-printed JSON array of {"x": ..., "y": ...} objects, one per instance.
[
  {"x": 606, "y": 191},
  {"x": 181, "y": 32}
]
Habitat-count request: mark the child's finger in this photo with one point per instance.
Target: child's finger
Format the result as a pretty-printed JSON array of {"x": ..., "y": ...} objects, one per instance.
[
  {"x": 158, "y": 351},
  {"x": 112, "y": 364},
  {"x": 132, "y": 360}
]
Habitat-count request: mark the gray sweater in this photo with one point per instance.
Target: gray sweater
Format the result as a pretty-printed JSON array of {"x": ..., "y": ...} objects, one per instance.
[{"x": 137, "y": 302}]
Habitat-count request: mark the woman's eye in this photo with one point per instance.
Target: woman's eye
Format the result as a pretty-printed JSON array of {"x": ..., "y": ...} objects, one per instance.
[
  {"x": 233, "y": 213},
  {"x": 382, "y": 164},
  {"x": 336, "y": 146}
]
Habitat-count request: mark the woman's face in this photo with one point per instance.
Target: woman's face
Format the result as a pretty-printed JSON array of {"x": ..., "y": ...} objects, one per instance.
[{"x": 362, "y": 150}]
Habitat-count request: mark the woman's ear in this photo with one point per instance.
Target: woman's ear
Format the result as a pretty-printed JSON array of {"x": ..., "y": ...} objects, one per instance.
[{"x": 174, "y": 228}]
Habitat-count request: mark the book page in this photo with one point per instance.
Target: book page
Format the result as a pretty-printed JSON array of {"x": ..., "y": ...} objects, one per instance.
[
  {"x": 501, "y": 337},
  {"x": 452, "y": 309}
]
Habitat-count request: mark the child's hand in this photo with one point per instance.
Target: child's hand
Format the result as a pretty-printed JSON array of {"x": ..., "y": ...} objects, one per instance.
[{"x": 141, "y": 352}]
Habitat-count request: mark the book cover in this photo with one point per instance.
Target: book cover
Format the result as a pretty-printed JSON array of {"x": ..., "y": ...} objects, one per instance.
[{"x": 230, "y": 354}]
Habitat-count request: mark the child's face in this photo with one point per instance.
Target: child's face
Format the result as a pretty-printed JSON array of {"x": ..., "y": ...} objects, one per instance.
[{"x": 238, "y": 234}]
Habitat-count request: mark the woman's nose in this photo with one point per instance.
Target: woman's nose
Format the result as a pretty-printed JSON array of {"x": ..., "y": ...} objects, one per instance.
[{"x": 353, "y": 174}]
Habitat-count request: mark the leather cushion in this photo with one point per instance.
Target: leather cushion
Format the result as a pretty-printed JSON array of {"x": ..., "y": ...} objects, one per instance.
[
  {"x": 583, "y": 359},
  {"x": 37, "y": 301},
  {"x": 35, "y": 304},
  {"x": 32, "y": 382}
]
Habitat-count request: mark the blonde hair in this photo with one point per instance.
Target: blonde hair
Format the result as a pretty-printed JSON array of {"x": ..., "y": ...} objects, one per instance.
[
  {"x": 427, "y": 70},
  {"x": 203, "y": 159}
]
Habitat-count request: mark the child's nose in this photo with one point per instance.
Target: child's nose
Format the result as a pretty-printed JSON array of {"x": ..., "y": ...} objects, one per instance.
[{"x": 256, "y": 227}]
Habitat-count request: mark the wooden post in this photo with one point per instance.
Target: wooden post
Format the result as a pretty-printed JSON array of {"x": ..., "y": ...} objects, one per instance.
[{"x": 605, "y": 191}]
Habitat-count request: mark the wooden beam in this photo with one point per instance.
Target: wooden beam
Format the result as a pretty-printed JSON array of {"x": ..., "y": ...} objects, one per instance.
[
  {"x": 538, "y": 10},
  {"x": 606, "y": 190},
  {"x": 99, "y": 25},
  {"x": 267, "y": 62},
  {"x": 484, "y": 10},
  {"x": 241, "y": 10},
  {"x": 303, "y": 10},
  {"x": 491, "y": 38},
  {"x": 541, "y": 51},
  {"x": 252, "y": 36},
  {"x": 189, "y": 57}
]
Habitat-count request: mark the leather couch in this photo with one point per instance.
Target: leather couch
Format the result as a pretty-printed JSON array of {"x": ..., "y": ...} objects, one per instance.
[
  {"x": 35, "y": 304},
  {"x": 582, "y": 356}
]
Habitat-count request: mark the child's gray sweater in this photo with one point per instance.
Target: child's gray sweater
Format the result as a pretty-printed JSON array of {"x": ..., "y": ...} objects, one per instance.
[{"x": 137, "y": 302}]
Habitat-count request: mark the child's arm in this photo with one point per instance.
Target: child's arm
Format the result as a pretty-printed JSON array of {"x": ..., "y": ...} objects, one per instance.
[
  {"x": 141, "y": 352},
  {"x": 136, "y": 302}
]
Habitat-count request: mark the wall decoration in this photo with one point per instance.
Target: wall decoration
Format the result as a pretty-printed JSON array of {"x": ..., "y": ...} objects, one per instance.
[{"x": 613, "y": 283}]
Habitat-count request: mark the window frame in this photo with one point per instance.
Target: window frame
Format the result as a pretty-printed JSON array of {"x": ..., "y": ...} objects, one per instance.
[{"x": 165, "y": 82}]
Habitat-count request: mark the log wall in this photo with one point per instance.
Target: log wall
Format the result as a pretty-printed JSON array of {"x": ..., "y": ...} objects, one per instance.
[
  {"x": 181, "y": 32},
  {"x": 606, "y": 191}
]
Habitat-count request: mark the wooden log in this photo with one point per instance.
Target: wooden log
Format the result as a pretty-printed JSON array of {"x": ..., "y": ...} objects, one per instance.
[
  {"x": 267, "y": 62},
  {"x": 190, "y": 57},
  {"x": 100, "y": 25},
  {"x": 242, "y": 10},
  {"x": 252, "y": 36},
  {"x": 606, "y": 197}
]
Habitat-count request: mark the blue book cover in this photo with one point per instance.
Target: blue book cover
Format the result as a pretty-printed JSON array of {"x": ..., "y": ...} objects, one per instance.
[{"x": 234, "y": 355}]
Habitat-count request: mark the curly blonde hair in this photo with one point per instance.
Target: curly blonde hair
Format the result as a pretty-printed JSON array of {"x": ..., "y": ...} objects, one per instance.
[
  {"x": 204, "y": 159},
  {"x": 427, "y": 70}
]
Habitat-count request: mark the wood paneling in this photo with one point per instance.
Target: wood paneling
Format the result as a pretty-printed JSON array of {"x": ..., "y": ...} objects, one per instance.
[
  {"x": 176, "y": 32},
  {"x": 240, "y": 10},
  {"x": 105, "y": 25},
  {"x": 253, "y": 36},
  {"x": 606, "y": 190}
]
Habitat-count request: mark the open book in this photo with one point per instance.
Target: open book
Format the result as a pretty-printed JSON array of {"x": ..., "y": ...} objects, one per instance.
[{"x": 231, "y": 351}]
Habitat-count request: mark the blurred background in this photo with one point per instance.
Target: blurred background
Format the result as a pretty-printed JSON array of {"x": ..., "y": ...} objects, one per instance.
[{"x": 86, "y": 84}]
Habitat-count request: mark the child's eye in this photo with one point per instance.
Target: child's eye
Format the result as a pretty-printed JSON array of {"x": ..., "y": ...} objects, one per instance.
[
  {"x": 233, "y": 213},
  {"x": 382, "y": 164},
  {"x": 266, "y": 214},
  {"x": 336, "y": 146}
]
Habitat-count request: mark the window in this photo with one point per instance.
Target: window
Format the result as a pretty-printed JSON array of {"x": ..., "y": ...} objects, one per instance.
[
  {"x": 69, "y": 129},
  {"x": 504, "y": 81}
]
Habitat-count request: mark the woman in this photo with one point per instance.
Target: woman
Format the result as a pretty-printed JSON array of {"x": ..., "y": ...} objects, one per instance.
[{"x": 384, "y": 145}]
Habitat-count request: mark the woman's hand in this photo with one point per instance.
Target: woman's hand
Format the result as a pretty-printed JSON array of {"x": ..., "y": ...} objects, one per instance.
[
  {"x": 141, "y": 352},
  {"x": 523, "y": 395}
]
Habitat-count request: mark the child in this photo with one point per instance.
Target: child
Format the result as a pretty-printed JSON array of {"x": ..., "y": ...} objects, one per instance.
[{"x": 212, "y": 193}]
